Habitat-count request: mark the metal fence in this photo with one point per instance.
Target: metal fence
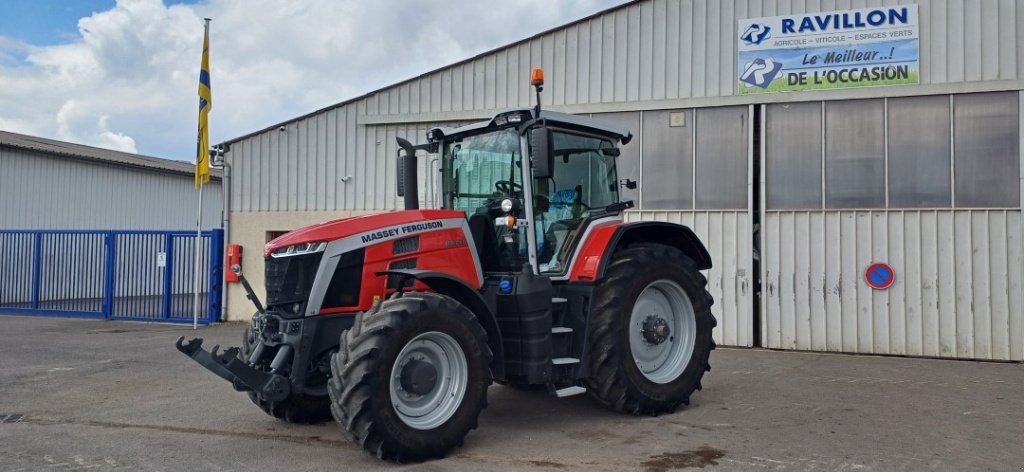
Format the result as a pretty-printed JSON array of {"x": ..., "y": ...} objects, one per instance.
[{"x": 124, "y": 275}]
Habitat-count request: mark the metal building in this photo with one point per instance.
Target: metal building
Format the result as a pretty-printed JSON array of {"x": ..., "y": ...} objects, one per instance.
[
  {"x": 48, "y": 184},
  {"x": 97, "y": 233},
  {"x": 802, "y": 140}
]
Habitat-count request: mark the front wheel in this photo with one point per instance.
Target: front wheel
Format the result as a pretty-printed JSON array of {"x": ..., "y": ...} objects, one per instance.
[
  {"x": 411, "y": 377},
  {"x": 650, "y": 331}
]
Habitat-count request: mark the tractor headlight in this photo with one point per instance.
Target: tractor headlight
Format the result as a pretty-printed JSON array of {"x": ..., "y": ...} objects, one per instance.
[
  {"x": 300, "y": 249},
  {"x": 506, "y": 205}
]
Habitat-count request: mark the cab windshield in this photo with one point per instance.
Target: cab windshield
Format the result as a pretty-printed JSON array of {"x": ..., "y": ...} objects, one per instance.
[{"x": 481, "y": 170}]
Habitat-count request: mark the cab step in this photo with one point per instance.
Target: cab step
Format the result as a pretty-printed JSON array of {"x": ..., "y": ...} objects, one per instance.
[
  {"x": 570, "y": 391},
  {"x": 565, "y": 360},
  {"x": 561, "y": 330}
]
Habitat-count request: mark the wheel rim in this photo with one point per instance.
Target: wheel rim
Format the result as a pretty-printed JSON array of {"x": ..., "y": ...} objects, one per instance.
[
  {"x": 430, "y": 409},
  {"x": 662, "y": 311}
]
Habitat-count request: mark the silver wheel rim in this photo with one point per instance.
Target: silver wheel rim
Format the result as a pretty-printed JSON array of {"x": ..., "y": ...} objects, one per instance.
[
  {"x": 434, "y": 408},
  {"x": 665, "y": 361}
]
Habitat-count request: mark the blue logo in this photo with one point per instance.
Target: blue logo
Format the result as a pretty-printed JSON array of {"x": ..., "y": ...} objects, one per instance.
[
  {"x": 761, "y": 72},
  {"x": 756, "y": 34},
  {"x": 505, "y": 286}
]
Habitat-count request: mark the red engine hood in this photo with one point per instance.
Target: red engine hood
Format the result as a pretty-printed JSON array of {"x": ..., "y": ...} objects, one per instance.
[{"x": 340, "y": 228}]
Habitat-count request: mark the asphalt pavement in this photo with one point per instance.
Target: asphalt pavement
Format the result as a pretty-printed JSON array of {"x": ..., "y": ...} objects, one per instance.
[{"x": 98, "y": 395}]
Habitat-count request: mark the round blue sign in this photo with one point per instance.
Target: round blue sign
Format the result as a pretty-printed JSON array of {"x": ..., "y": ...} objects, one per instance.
[{"x": 880, "y": 276}]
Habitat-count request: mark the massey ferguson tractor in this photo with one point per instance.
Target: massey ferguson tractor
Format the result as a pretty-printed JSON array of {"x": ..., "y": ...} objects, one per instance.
[{"x": 396, "y": 324}]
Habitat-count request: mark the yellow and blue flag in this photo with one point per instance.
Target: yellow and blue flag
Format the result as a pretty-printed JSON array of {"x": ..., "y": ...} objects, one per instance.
[{"x": 205, "y": 103}]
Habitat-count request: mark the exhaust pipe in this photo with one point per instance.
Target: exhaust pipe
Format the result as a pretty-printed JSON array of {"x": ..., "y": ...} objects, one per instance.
[{"x": 408, "y": 181}]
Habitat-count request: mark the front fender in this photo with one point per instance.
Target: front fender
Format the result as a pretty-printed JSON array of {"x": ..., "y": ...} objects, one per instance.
[{"x": 456, "y": 288}]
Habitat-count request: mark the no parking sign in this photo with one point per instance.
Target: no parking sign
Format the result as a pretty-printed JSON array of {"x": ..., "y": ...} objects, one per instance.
[{"x": 880, "y": 276}]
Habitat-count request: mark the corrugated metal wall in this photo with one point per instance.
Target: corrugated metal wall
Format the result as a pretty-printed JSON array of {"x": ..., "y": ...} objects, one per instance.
[
  {"x": 324, "y": 162},
  {"x": 680, "y": 54},
  {"x": 958, "y": 290},
  {"x": 665, "y": 49},
  {"x": 630, "y": 58},
  {"x": 727, "y": 236},
  {"x": 43, "y": 191}
]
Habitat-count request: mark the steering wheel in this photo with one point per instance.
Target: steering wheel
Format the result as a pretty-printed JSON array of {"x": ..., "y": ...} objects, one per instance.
[{"x": 506, "y": 187}]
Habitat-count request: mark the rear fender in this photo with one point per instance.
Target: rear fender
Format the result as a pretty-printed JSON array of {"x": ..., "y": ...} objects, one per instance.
[
  {"x": 669, "y": 234},
  {"x": 601, "y": 246},
  {"x": 459, "y": 290}
]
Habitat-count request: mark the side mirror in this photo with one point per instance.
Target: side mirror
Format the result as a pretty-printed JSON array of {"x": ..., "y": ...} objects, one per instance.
[{"x": 541, "y": 152}]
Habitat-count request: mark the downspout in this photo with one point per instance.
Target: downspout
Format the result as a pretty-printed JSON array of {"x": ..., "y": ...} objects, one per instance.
[{"x": 225, "y": 189}]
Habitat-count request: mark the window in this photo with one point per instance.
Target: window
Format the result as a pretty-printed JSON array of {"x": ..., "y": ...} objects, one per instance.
[
  {"x": 272, "y": 235},
  {"x": 987, "y": 150},
  {"x": 668, "y": 160},
  {"x": 479, "y": 165},
  {"x": 583, "y": 185},
  {"x": 919, "y": 152},
  {"x": 854, "y": 154},
  {"x": 721, "y": 160},
  {"x": 629, "y": 161},
  {"x": 793, "y": 156}
]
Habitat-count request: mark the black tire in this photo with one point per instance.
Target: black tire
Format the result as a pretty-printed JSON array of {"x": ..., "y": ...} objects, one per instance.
[
  {"x": 299, "y": 408},
  {"x": 360, "y": 387},
  {"x": 615, "y": 380}
]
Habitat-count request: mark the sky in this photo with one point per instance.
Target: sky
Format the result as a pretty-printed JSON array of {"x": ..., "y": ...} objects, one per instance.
[{"x": 124, "y": 74}]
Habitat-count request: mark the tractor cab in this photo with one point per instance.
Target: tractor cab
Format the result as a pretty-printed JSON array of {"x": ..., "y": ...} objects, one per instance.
[
  {"x": 530, "y": 182},
  {"x": 534, "y": 218}
]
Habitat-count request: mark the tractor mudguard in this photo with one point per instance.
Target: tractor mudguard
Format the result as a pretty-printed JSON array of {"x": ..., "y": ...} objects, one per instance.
[
  {"x": 669, "y": 234},
  {"x": 470, "y": 297},
  {"x": 227, "y": 365}
]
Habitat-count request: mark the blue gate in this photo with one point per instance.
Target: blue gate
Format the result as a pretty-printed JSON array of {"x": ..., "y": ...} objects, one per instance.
[{"x": 124, "y": 275}]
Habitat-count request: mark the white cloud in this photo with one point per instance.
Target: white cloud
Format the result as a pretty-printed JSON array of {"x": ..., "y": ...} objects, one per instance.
[{"x": 129, "y": 81}]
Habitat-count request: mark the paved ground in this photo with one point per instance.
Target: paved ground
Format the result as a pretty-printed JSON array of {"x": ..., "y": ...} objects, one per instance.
[{"x": 99, "y": 395}]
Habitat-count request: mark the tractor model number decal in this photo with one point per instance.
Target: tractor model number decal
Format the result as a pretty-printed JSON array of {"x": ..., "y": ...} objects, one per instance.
[{"x": 401, "y": 230}]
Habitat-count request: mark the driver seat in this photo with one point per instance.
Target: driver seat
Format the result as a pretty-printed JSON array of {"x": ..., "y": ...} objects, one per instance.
[{"x": 560, "y": 207}]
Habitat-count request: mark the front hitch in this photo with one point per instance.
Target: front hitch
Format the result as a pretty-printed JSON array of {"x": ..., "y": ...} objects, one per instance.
[{"x": 269, "y": 386}]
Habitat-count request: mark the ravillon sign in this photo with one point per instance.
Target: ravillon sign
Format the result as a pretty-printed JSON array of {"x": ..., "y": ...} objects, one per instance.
[{"x": 828, "y": 50}]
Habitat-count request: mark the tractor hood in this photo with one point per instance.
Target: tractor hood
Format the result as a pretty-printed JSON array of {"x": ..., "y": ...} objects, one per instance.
[{"x": 355, "y": 225}]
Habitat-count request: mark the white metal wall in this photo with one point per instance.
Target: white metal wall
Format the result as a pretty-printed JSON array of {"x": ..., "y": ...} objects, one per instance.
[
  {"x": 43, "y": 191},
  {"x": 959, "y": 273},
  {"x": 324, "y": 162},
  {"x": 680, "y": 54},
  {"x": 958, "y": 290},
  {"x": 651, "y": 54},
  {"x": 727, "y": 237}
]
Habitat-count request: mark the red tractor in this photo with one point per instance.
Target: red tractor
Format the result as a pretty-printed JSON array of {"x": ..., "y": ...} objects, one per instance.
[{"x": 397, "y": 323}]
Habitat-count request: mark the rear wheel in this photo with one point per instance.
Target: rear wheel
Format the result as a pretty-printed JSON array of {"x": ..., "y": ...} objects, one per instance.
[
  {"x": 299, "y": 408},
  {"x": 650, "y": 332},
  {"x": 410, "y": 377}
]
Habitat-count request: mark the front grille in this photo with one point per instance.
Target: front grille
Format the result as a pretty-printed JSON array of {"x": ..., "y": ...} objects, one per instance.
[
  {"x": 290, "y": 279},
  {"x": 407, "y": 245}
]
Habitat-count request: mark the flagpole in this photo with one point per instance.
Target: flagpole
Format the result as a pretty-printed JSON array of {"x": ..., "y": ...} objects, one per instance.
[{"x": 203, "y": 149}]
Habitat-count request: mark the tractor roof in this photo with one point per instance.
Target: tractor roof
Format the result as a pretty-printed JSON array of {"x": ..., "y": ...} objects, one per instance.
[{"x": 562, "y": 120}]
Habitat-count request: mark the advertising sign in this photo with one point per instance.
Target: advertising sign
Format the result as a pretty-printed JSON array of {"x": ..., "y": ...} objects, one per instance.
[{"x": 828, "y": 50}]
